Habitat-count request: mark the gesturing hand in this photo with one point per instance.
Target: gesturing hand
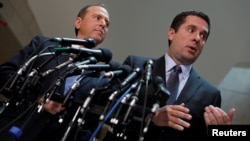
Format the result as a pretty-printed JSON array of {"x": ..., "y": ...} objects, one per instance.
[
  {"x": 216, "y": 116},
  {"x": 173, "y": 116}
]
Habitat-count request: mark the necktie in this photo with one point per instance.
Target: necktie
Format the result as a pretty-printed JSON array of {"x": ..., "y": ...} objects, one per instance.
[{"x": 173, "y": 84}]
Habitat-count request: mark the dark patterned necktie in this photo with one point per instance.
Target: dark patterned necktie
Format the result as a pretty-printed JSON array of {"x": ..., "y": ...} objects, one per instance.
[{"x": 173, "y": 84}]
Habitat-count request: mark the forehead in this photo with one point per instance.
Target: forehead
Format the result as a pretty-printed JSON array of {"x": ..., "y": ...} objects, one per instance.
[
  {"x": 197, "y": 22},
  {"x": 98, "y": 10}
]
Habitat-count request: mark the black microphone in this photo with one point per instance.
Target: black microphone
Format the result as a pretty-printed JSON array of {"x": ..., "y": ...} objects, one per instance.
[
  {"x": 101, "y": 54},
  {"x": 103, "y": 67},
  {"x": 89, "y": 60},
  {"x": 86, "y": 42},
  {"x": 122, "y": 72},
  {"x": 148, "y": 66},
  {"x": 114, "y": 65},
  {"x": 119, "y": 89},
  {"x": 96, "y": 67},
  {"x": 136, "y": 72},
  {"x": 134, "y": 99},
  {"x": 161, "y": 94},
  {"x": 154, "y": 108}
]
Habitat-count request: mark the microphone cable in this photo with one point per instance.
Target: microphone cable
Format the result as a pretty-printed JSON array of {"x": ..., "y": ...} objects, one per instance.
[{"x": 109, "y": 113}]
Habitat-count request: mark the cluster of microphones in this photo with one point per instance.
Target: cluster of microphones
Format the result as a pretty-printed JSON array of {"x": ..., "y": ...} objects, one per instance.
[{"x": 120, "y": 96}]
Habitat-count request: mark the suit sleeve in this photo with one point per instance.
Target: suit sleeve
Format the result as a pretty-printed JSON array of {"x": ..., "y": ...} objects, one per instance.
[{"x": 11, "y": 66}]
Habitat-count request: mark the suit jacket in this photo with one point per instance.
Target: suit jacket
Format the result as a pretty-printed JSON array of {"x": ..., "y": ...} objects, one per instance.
[
  {"x": 196, "y": 95},
  {"x": 43, "y": 126}
]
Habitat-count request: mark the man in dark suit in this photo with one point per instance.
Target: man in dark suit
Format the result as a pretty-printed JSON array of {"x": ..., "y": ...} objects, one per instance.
[
  {"x": 92, "y": 21},
  {"x": 197, "y": 102}
]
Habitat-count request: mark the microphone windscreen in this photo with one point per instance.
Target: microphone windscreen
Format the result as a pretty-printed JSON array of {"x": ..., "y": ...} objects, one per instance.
[
  {"x": 106, "y": 55},
  {"x": 114, "y": 65},
  {"x": 158, "y": 80},
  {"x": 91, "y": 43},
  {"x": 126, "y": 70}
]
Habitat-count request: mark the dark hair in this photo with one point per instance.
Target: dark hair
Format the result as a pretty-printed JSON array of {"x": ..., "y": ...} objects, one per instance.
[
  {"x": 84, "y": 11},
  {"x": 181, "y": 17}
]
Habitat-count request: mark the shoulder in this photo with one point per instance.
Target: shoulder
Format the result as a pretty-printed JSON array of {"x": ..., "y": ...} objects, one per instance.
[
  {"x": 40, "y": 41},
  {"x": 136, "y": 61},
  {"x": 40, "y": 38},
  {"x": 210, "y": 87}
]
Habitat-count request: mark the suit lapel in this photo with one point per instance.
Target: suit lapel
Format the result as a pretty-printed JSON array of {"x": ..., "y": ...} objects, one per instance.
[
  {"x": 190, "y": 88},
  {"x": 159, "y": 68}
]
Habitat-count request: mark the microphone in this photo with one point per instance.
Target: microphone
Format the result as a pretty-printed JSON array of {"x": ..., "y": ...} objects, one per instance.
[
  {"x": 154, "y": 108},
  {"x": 89, "y": 60},
  {"x": 148, "y": 66},
  {"x": 121, "y": 88},
  {"x": 86, "y": 42},
  {"x": 8, "y": 87},
  {"x": 94, "y": 67},
  {"x": 160, "y": 96},
  {"x": 161, "y": 93},
  {"x": 131, "y": 77},
  {"x": 134, "y": 99},
  {"x": 101, "y": 54},
  {"x": 135, "y": 73},
  {"x": 110, "y": 66},
  {"x": 122, "y": 71}
]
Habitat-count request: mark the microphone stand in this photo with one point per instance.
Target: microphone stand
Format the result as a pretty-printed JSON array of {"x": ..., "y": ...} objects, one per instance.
[
  {"x": 147, "y": 76},
  {"x": 109, "y": 114},
  {"x": 123, "y": 87},
  {"x": 134, "y": 100},
  {"x": 32, "y": 74},
  {"x": 125, "y": 122},
  {"x": 75, "y": 85},
  {"x": 11, "y": 82},
  {"x": 85, "y": 106},
  {"x": 124, "y": 100},
  {"x": 153, "y": 110},
  {"x": 70, "y": 69},
  {"x": 65, "y": 135},
  {"x": 111, "y": 101}
]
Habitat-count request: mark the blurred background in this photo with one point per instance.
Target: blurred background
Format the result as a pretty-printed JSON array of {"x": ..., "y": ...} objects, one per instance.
[{"x": 140, "y": 28}]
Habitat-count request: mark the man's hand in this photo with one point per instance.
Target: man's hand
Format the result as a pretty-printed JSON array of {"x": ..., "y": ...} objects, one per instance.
[
  {"x": 173, "y": 116},
  {"x": 216, "y": 116},
  {"x": 52, "y": 107}
]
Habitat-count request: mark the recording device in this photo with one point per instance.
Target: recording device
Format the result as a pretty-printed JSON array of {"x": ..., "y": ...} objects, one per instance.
[
  {"x": 123, "y": 86},
  {"x": 101, "y": 54},
  {"x": 86, "y": 42},
  {"x": 122, "y": 72},
  {"x": 161, "y": 94},
  {"x": 136, "y": 72}
]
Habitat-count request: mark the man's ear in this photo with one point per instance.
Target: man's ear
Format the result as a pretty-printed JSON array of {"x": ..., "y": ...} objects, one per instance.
[
  {"x": 171, "y": 34},
  {"x": 78, "y": 21}
]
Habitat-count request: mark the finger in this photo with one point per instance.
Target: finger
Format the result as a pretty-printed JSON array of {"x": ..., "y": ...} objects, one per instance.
[
  {"x": 219, "y": 115},
  {"x": 180, "y": 112},
  {"x": 181, "y": 122},
  {"x": 206, "y": 118},
  {"x": 209, "y": 116},
  {"x": 231, "y": 113},
  {"x": 175, "y": 126},
  {"x": 179, "y": 108}
]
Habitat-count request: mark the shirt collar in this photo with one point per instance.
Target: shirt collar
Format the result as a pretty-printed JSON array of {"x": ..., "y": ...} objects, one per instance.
[{"x": 169, "y": 63}]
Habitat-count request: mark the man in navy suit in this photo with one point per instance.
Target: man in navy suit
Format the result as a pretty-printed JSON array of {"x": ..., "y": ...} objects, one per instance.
[
  {"x": 197, "y": 102},
  {"x": 93, "y": 22}
]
